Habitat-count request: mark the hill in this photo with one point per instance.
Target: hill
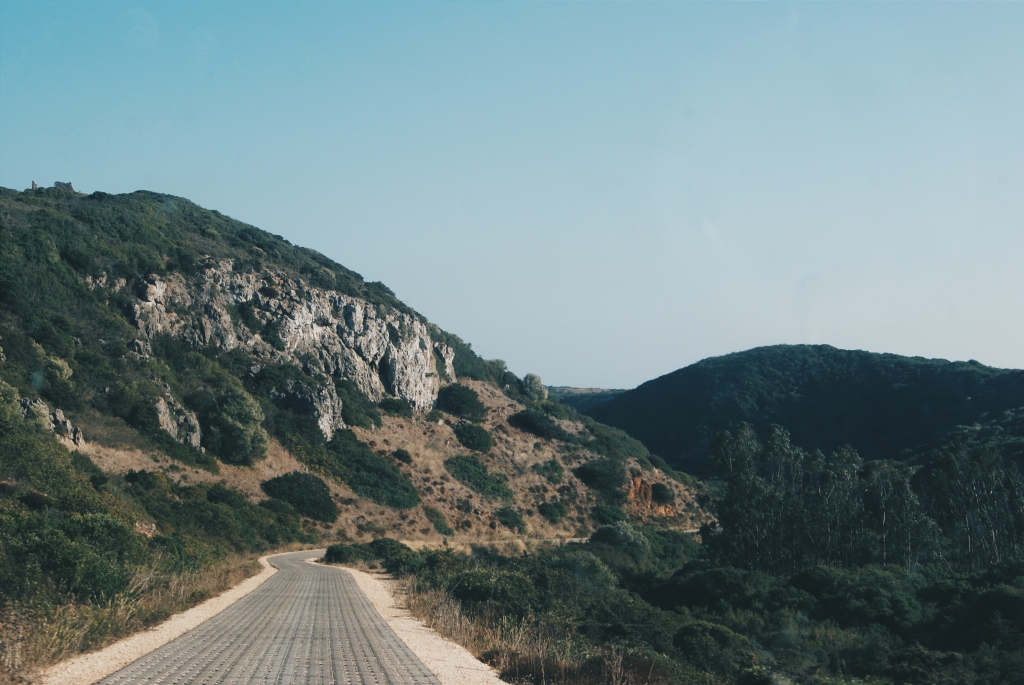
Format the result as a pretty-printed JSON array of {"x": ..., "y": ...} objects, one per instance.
[
  {"x": 581, "y": 399},
  {"x": 177, "y": 387},
  {"x": 884, "y": 405}
]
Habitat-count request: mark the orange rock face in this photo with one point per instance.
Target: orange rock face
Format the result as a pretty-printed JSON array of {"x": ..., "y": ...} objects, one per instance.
[{"x": 639, "y": 500}]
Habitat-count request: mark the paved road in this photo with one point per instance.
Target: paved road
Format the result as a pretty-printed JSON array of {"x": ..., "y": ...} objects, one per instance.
[{"x": 307, "y": 624}]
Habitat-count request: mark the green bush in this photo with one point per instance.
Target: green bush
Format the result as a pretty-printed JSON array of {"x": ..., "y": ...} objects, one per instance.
[
  {"x": 308, "y": 494},
  {"x": 510, "y": 593},
  {"x": 473, "y": 473},
  {"x": 349, "y": 553},
  {"x": 396, "y": 406},
  {"x": 402, "y": 456},
  {"x": 551, "y": 470},
  {"x": 510, "y": 518},
  {"x": 474, "y": 437},
  {"x": 662, "y": 494},
  {"x": 438, "y": 520},
  {"x": 606, "y": 476},
  {"x": 606, "y": 514},
  {"x": 540, "y": 424},
  {"x": 461, "y": 401},
  {"x": 397, "y": 558},
  {"x": 553, "y": 511},
  {"x": 356, "y": 410},
  {"x": 368, "y": 474}
]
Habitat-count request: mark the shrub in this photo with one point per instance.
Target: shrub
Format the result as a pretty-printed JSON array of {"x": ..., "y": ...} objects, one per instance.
[
  {"x": 438, "y": 520},
  {"x": 534, "y": 387},
  {"x": 356, "y": 410},
  {"x": 472, "y": 473},
  {"x": 348, "y": 553},
  {"x": 551, "y": 470},
  {"x": 607, "y": 515},
  {"x": 508, "y": 592},
  {"x": 308, "y": 494},
  {"x": 461, "y": 401},
  {"x": 605, "y": 476},
  {"x": 553, "y": 511},
  {"x": 368, "y": 474},
  {"x": 402, "y": 456},
  {"x": 662, "y": 494},
  {"x": 540, "y": 424},
  {"x": 396, "y": 406},
  {"x": 474, "y": 437},
  {"x": 510, "y": 518}
]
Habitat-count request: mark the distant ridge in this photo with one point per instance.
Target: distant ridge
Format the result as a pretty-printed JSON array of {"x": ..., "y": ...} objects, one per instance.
[
  {"x": 884, "y": 405},
  {"x": 581, "y": 399}
]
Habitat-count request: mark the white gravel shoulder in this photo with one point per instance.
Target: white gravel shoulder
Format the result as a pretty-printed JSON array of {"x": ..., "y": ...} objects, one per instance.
[
  {"x": 91, "y": 667},
  {"x": 451, "y": 663}
]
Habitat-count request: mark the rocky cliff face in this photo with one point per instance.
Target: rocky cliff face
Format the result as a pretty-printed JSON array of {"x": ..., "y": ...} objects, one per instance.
[
  {"x": 279, "y": 319},
  {"x": 640, "y": 503}
]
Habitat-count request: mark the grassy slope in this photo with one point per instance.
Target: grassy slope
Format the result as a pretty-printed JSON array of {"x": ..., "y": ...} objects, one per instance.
[{"x": 884, "y": 405}]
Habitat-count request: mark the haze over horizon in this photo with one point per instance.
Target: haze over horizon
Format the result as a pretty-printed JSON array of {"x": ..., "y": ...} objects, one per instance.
[{"x": 597, "y": 193}]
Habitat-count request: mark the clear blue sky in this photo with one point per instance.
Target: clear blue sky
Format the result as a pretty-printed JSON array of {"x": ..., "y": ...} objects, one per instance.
[{"x": 599, "y": 193}]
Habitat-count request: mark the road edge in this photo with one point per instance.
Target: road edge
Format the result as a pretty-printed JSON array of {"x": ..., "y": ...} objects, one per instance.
[
  {"x": 89, "y": 668},
  {"x": 450, "y": 662}
]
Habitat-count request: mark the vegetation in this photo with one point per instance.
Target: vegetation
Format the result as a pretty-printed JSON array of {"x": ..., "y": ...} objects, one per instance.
[
  {"x": 606, "y": 476},
  {"x": 785, "y": 509},
  {"x": 662, "y": 494},
  {"x": 396, "y": 406},
  {"x": 308, "y": 494},
  {"x": 883, "y": 405},
  {"x": 581, "y": 399},
  {"x": 368, "y": 474},
  {"x": 72, "y": 565},
  {"x": 473, "y": 473},
  {"x": 461, "y": 401},
  {"x": 538, "y": 423},
  {"x": 512, "y": 519},
  {"x": 474, "y": 437},
  {"x": 402, "y": 456},
  {"x": 356, "y": 410},
  {"x": 551, "y": 470},
  {"x": 553, "y": 511},
  {"x": 653, "y": 606},
  {"x": 438, "y": 521}
]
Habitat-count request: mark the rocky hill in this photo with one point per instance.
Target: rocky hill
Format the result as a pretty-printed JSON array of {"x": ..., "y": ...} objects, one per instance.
[
  {"x": 168, "y": 339},
  {"x": 884, "y": 405}
]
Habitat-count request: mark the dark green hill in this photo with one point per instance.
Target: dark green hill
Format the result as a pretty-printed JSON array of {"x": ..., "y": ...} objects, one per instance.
[{"x": 884, "y": 405}]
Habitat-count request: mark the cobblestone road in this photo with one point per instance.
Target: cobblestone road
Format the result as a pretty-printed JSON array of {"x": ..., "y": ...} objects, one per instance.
[{"x": 307, "y": 624}]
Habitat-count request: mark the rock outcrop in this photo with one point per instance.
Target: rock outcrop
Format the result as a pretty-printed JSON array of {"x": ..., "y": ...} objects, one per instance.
[
  {"x": 640, "y": 502},
  {"x": 176, "y": 420},
  {"x": 53, "y": 420},
  {"x": 278, "y": 319}
]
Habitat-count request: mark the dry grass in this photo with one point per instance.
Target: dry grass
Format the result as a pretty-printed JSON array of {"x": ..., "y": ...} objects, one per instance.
[
  {"x": 33, "y": 637},
  {"x": 534, "y": 650}
]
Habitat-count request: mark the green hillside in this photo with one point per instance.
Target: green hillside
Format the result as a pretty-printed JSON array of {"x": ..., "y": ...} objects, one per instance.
[
  {"x": 884, "y": 405},
  {"x": 188, "y": 349}
]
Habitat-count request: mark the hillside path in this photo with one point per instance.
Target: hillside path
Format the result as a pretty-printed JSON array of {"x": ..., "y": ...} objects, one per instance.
[{"x": 307, "y": 624}]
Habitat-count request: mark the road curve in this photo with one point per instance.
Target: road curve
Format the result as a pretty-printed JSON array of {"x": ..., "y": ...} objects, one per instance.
[{"x": 307, "y": 624}]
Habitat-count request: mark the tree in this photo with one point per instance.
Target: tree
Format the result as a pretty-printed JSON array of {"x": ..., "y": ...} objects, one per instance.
[{"x": 535, "y": 389}]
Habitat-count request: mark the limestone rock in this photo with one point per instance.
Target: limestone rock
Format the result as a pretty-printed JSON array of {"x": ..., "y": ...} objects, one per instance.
[
  {"x": 327, "y": 334},
  {"x": 448, "y": 355},
  {"x": 176, "y": 421},
  {"x": 52, "y": 420},
  {"x": 323, "y": 402}
]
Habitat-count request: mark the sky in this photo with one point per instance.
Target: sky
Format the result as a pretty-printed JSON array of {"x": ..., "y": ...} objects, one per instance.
[{"x": 599, "y": 193}]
